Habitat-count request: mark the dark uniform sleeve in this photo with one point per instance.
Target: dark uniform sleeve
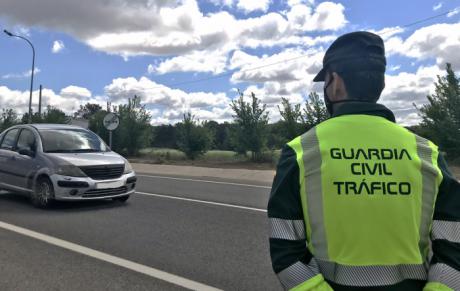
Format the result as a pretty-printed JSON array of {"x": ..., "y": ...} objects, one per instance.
[
  {"x": 444, "y": 272},
  {"x": 291, "y": 260}
]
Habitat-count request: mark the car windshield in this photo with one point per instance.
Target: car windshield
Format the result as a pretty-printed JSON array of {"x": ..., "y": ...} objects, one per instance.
[{"x": 71, "y": 141}]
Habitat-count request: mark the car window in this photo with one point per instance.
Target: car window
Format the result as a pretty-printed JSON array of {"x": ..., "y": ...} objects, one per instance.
[
  {"x": 70, "y": 141},
  {"x": 26, "y": 140},
  {"x": 9, "y": 139}
]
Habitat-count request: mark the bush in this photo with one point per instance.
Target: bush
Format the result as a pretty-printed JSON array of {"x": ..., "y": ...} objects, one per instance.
[{"x": 193, "y": 138}]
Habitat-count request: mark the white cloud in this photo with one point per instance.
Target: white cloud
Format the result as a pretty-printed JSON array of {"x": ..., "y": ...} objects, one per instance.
[
  {"x": 438, "y": 42},
  {"x": 405, "y": 89},
  {"x": 252, "y": 5},
  {"x": 394, "y": 68},
  {"x": 252, "y": 31},
  {"x": 154, "y": 94},
  {"x": 151, "y": 69},
  {"x": 327, "y": 16},
  {"x": 23, "y": 75},
  {"x": 58, "y": 46},
  {"x": 198, "y": 61},
  {"x": 19, "y": 100},
  {"x": 170, "y": 27},
  {"x": 437, "y": 6},
  {"x": 454, "y": 12},
  {"x": 303, "y": 65},
  {"x": 150, "y": 92},
  {"x": 388, "y": 32},
  {"x": 169, "y": 104},
  {"x": 75, "y": 92},
  {"x": 393, "y": 46}
]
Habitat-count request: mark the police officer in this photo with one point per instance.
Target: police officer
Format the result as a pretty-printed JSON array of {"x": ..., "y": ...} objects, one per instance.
[{"x": 359, "y": 202}]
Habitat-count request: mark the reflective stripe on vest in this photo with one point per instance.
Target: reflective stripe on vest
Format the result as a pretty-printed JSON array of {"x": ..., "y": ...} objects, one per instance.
[{"x": 368, "y": 188}]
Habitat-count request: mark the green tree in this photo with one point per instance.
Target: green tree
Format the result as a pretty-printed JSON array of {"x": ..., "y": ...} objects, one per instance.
[
  {"x": 441, "y": 116},
  {"x": 55, "y": 115},
  {"x": 291, "y": 118},
  {"x": 87, "y": 110},
  {"x": 250, "y": 131},
  {"x": 315, "y": 111},
  {"x": 51, "y": 115},
  {"x": 164, "y": 136},
  {"x": 193, "y": 138},
  {"x": 96, "y": 125},
  {"x": 36, "y": 118},
  {"x": 213, "y": 127},
  {"x": 8, "y": 118},
  {"x": 134, "y": 131},
  {"x": 277, "y": 135}
]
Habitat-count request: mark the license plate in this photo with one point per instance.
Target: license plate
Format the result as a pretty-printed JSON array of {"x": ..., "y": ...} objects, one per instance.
[{"x": 109, "y": 185}]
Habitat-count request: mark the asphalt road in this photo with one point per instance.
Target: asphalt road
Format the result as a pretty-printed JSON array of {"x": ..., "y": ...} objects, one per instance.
[{"x": 215, "y": 244}]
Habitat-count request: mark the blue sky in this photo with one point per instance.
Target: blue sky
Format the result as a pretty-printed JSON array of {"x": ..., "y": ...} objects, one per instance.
[{"x": 89, "y": 51}]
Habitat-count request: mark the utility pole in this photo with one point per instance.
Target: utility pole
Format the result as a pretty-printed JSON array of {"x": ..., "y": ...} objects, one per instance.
[{"x": 40, "y": 102}]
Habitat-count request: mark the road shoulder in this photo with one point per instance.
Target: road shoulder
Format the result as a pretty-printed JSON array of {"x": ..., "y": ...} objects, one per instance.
[{"x": 244, "y": 175}]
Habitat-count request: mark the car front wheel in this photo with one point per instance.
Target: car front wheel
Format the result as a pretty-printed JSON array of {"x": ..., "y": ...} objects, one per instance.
[{"x": 43, "y": 193}]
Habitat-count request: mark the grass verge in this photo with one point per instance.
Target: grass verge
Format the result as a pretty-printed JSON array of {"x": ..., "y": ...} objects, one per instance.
[{"x": 212, "y": 159}]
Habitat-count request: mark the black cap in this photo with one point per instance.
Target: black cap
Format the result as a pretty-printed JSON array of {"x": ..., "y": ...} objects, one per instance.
[{"x": 353, "y": 52}]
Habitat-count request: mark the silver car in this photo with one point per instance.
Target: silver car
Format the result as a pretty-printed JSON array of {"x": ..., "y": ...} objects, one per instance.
[{"x": 62, "y": 162}]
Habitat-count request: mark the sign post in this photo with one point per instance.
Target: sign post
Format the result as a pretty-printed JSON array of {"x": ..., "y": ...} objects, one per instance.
[{"x": 111, "y": 122}]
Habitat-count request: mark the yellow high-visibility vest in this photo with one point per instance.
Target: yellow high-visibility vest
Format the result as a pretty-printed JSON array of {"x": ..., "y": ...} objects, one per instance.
[{"x": 368, "y": 198}]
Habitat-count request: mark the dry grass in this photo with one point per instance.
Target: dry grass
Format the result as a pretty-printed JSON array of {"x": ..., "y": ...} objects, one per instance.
[{"x": 212, "y": 159}]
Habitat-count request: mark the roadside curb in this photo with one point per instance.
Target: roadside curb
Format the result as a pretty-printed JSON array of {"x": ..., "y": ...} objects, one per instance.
[{"x": 261, "y": 176}]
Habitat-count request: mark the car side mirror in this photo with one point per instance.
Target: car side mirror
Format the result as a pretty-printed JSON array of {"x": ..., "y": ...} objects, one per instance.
[{"x": 26, "y": 152}]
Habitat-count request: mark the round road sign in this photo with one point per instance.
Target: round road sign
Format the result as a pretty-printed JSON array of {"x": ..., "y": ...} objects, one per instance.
[{"x": 111, "y": 121}]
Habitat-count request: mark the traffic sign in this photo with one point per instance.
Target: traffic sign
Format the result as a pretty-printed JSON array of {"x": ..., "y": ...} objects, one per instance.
[{"x": 111, "y": 121}]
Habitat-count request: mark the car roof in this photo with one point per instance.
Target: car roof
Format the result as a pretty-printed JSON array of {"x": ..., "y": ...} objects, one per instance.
[{"x": 47, "y": 126}]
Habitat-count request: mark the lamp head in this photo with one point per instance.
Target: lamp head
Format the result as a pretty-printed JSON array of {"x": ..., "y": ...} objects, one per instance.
[{"x": 8, "y": 33}]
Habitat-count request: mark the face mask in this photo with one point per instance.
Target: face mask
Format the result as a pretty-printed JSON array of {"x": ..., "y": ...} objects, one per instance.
[{"x": 328, "y": 101}]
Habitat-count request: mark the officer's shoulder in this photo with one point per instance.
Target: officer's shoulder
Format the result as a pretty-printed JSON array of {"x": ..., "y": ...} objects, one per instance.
[{"x": 419, "y": 138}]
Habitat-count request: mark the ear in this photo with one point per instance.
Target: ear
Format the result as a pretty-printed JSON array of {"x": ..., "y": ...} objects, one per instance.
[{"x": 338, "y": 87}]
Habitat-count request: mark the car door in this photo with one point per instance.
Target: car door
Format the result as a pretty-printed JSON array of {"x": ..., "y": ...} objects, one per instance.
[
  {"x": 7, "y": 178},
  {"x": 23, "y": 166}
]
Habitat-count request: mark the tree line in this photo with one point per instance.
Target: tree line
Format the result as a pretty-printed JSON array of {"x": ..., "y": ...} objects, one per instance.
[{"x": 250, "y": 132}]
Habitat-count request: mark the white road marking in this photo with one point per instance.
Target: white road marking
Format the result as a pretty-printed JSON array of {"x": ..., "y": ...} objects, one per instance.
[
  {"x": 202, "y": 201},
  {"x": 203, "y": 181},
  {"x": 158, "y": 274}
]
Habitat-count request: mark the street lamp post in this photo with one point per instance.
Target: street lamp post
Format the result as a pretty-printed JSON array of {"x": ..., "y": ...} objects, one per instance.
[{"x": 32, "y": 72}]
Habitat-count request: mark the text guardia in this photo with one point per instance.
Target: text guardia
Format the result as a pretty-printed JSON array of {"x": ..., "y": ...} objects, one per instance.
[{"x": 371, "y": 164}]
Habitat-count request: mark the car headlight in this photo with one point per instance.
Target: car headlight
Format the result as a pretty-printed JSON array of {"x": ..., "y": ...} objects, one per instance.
[
  {"x": 70, "y": 170},
  {"x": 128, "y": 168}
]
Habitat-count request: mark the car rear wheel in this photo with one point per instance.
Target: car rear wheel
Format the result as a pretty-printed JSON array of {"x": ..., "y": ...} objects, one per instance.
[
  {"x": 43, "y": 193},
  {"x": 121, "y": 199}
]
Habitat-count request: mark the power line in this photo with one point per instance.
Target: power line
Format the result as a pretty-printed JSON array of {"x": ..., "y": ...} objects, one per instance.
[
  {"x": 419, "y": 21},
  {"x": 294, "y": 58}
]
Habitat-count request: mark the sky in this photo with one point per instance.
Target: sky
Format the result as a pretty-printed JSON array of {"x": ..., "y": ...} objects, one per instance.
[{"x": 190, "y": 55}]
